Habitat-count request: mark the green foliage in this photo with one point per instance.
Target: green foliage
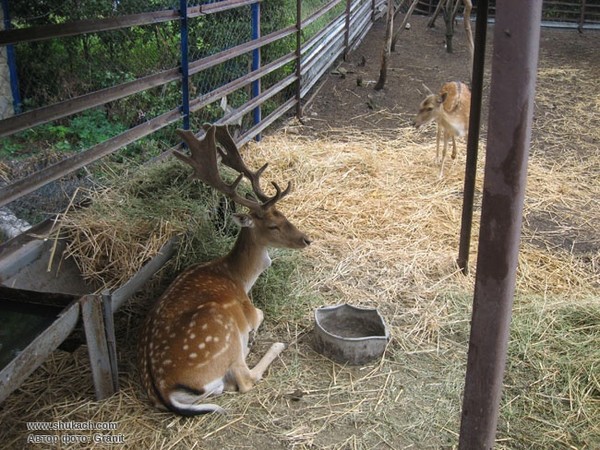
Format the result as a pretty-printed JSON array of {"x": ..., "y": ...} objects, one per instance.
[
  {"x": 82, "y": 131},
  {"x": 56, "y": 70}
]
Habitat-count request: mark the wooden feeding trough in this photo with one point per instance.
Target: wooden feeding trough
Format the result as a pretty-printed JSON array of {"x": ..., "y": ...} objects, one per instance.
[{"x": 50, "y": 305}]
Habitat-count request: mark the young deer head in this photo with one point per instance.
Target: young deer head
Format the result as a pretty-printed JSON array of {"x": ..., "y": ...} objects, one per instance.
[
  {"x": 450, "y": 110},
  {"x": 195, "y": 339}
]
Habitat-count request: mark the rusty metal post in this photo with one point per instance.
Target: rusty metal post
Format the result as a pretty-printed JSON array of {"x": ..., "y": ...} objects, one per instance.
[
  {"x": 299, "y": 59},
  {"x": 478, "y": 70},
  {"x": 514, "y": 64}
]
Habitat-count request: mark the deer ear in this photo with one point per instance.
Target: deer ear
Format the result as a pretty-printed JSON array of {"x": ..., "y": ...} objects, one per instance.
[{"x": 243, "y": 220}]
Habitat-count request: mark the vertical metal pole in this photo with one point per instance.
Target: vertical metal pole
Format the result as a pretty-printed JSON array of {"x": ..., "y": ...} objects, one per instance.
[
  {"x": 299, "y": 59},
  {"x": 12, "y": 62},
  {"x": 185, "y": 78},
  {"x": 515, "y": 56},
  {"x": 256, "y": 63},
  {"x": 582, "y": 16},
  {"x": 473, "y": 139},
  {"x": 347, "y": 30}
]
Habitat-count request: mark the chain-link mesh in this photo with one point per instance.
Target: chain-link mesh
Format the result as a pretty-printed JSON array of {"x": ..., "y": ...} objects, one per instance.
[{"x": 56, "y": 70}]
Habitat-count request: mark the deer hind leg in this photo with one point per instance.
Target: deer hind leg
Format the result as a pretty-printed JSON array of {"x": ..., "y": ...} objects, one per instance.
[
  {"x": 437, "y": 144},
  {"x": 245, "y": 378}
]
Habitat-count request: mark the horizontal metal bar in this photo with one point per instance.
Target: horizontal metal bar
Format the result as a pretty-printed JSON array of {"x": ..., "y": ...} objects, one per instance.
[
  {"x": 29, "y": 184},
  {"x": 43, "y": 32},
  {"x": 219, "y": 58},
  {"x": 72, "y": 106},
  {"x": 216, "y": 7},
  {"x": 233, "y": 86},
  {"x": 336, "y": 23},
  {"x": 257, "y": 101},
  {"x": 319, "y": 13},
  {"x": 314, "y": 56},
  {"x": 257, "y": 129}
]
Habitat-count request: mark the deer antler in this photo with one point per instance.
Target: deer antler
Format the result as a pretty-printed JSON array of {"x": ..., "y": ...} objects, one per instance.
[
  {"x": 204, "y": 162},
  {"x": 231, "y": 158}
]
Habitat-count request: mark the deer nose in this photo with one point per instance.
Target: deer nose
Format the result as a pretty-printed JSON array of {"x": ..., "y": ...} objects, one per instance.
[{"x": 306, "y": 241}]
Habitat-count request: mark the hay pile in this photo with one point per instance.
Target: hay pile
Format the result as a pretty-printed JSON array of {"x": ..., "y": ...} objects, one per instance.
[
  {"x": 385, "y": 233},
  {"x": 129, "y": 222}
]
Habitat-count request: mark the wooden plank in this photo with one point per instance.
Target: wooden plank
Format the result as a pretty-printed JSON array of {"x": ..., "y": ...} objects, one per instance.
[
  {"x": 111, "y": 342},
  {"x": 36, "y": 353},
  {"x": 31, "y": 183},
  {"x": 81, "y": 103},
  {"x": 143, "y": 275},
  {"x": 96, "y": 340},
  {"x": 12, "y": 260},
  {"x": 43, "y": 32}
]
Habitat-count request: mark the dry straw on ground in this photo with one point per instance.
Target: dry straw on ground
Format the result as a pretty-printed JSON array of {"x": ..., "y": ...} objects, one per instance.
[{"x": 385, "y": 233}]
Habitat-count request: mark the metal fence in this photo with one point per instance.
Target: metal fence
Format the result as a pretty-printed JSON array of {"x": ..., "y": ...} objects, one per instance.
[
  {"x": 97, "y": 77},
  {"x": 92, "y": 78},
  {"x": 582, "y": 14}
]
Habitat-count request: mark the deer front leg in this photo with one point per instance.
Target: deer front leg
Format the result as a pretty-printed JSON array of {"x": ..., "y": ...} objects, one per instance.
[
  {"x": 437, "y": 144},
  {"x": 246, "y": 378},
  {"x": 446, "y": 136},
  {"x": 453, "y": 155}
]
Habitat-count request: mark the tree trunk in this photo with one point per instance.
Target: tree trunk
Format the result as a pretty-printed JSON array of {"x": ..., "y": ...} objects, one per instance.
[{"x": 385, "y": 57}]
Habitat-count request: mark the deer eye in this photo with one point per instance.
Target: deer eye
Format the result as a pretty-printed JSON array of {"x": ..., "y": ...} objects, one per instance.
[
  {"x": 272, "y": 226},
  {"x": 428, "y": 109}
]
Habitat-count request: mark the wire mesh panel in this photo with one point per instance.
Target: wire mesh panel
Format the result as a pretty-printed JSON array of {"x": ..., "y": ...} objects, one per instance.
[
  {"x": 116, "y": 78},
  {"x": 209, "y": 35}
]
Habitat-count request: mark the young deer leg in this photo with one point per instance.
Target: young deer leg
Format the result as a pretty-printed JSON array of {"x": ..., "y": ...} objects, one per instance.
[
  {"x": 246, "y": 378},
  {"x": 437, "y": 144},
  {"x": 446, "y": 136},
  {"x": 453, "y": 155}
]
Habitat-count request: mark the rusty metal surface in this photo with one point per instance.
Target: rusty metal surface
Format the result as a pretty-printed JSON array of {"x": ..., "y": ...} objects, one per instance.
[{"x": 514, "y": 67}]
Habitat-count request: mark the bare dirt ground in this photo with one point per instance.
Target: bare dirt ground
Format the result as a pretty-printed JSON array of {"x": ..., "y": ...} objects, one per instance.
[{"x": 421, "y": 60}]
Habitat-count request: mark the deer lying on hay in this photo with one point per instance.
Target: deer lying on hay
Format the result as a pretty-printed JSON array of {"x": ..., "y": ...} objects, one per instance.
[
  {"x": 450, "y": 110},
  {"x": 195, "y": 339}
]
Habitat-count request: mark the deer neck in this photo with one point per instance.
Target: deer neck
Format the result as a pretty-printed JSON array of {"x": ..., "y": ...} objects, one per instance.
[{"x": 247, "y": 259}]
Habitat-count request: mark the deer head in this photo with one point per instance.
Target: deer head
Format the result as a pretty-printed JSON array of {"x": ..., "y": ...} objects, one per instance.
[{"x": 271, "y": 226}]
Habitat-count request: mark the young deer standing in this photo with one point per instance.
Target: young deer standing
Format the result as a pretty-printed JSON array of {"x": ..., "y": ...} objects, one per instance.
[
  {"x": 195, "y": 339},
  {"x": 450, "y": 110}
]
